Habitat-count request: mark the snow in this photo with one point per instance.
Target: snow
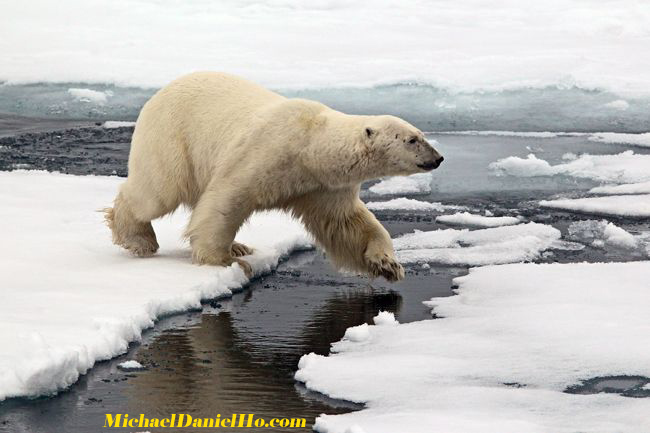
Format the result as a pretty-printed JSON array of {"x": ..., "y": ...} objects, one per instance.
[
  {"x": 620, "y": 138},
  {"x": 415, "y": 184},
  {"x": 625, "y": 167},
  {"x": 498, "y": 245},
  {"x": 89, "y": 95},
  {"x": 70, "y": 298},
  {"x": 131, "y": 364},
  {"x": 404, "y": 203},
  {"x": 630, "y": 188},
  {"x": 357, "y": 333},
  {"x": 331, "y": 41},
  {"x": 602, "y": 231},
  {"x": 500, "y": 357},
  {"x": 385, "y": 318},
  {"x": 109, "y": 124},
  {"x": 466, "y": 218},
  {"x": 616, "y": 205}
]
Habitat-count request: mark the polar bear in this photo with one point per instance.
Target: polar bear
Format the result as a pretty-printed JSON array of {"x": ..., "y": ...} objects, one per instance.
[{"x": 225, "y": 147}]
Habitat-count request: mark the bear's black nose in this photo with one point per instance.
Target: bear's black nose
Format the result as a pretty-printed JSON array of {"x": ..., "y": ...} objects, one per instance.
[{"x": 432, "y": 164}]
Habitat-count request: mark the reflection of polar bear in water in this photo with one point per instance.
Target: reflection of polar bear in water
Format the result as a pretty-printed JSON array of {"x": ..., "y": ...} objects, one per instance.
[{"x": 226, "y": 147}]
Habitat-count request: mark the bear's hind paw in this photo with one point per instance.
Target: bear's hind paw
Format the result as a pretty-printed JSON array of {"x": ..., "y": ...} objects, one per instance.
[{"x": 239, "y": 250}]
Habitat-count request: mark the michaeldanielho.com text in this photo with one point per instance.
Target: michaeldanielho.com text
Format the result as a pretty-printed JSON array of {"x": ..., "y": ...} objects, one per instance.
[{"x": 121, "y": 420}]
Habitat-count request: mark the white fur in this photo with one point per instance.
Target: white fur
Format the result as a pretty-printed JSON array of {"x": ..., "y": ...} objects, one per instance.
[{"x": 226, "y": 147}]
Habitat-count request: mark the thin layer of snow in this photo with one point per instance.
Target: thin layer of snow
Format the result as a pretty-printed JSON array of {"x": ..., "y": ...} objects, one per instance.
[
  {"x": 320, "y": 43},
  {"x": 507, "y": 346},
  {"x": 404, "y": 203},
  {"x": 593, "y": 231},
  {"x": 415, "y": 184},
  {"x": 109, "y": 124},
  {"x": 625, "y": 167},
  {"x": 620, "y": 138},
  {"x": 71, "y": 298},
  {"x": 629, "y": 188},
  {"x": 466, "y": 218},
  {"x": 131, "y": 364},
  {"x": 89, "y": 95},
  {"x": 498, "y": 245},
  {"x": 616, "y": 205}
]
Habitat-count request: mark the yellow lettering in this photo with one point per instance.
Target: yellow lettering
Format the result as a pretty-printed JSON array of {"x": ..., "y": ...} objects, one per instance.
[{"x": 112, "y": 422}]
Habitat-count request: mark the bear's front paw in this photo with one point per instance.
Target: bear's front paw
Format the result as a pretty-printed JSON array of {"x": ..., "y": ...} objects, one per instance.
[{"x": 383, "y": 265}]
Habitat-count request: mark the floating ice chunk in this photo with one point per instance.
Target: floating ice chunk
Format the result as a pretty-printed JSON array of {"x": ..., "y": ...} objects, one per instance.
[
  {"x": 625, "y": 167},
  {"x": 415, "y": 184},
  {"x": 507, "y": 346},
  {"x": 498, "y": 245},
  {"x": 90, "y": 297},
  {"x": 357, "y": 333},
  {"x": 385, "y": 318},
  {"x": 602, "y": 232},
  {"x": 404, "y": 203},
  {"x": 642, "y": 140},
  {"x": 629, "y": 188},
  {"x": 89, "y": 95},
  {"x": 130, "y": 365},
  {"x": 110, "y": 124},
  {"x": 618, "y": 205},
  {"x": 466, "y": 218}
]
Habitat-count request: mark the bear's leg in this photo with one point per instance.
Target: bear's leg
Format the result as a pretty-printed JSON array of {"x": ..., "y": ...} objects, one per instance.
[
  {"x": 215, "y": 221},
  {"x": 132, "y": 231},
  {"x": 350, "y": 233}
]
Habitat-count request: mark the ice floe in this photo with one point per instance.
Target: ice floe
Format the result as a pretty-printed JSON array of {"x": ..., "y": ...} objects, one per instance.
[
  {"x": 110, "y": 124},
  {"x": 71, "y": 298},
  {"x": 498, "y": 245},
  {"x": 404, "y": 203},
  {"x": 642, "y": 140},
  {"x": 628, "y": 188},
  {"x": 625, "y": 167},
  {"x": 602, "y": 232},
  {"x": 615, "y": 205},
  {"x": 466, "y": 218},
  {"x": 131, "y": 364},
  {"x": 507, "y": 346},
  {"x": 415, "y": 184}
]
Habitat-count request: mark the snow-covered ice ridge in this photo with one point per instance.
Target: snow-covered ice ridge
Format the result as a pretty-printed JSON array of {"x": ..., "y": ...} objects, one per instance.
[
  {"x": 500, "y": 356},
  {"x": 71, "y": 298}
]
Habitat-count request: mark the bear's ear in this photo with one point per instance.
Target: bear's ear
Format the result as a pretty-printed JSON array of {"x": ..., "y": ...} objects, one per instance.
[{"x": 370, "y": 132}]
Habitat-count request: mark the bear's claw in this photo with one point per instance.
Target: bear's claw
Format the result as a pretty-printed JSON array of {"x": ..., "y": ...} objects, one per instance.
[
  {"x": 239, "y": 250},
  {"x": 385, "y": 266}
]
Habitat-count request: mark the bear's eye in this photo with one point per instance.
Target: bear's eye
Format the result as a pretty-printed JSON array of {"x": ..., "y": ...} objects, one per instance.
[{"x": 413, "y": 140}]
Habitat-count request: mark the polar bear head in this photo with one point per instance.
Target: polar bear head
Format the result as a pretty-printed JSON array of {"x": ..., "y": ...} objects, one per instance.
[{"x": 398, "y": 147}]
